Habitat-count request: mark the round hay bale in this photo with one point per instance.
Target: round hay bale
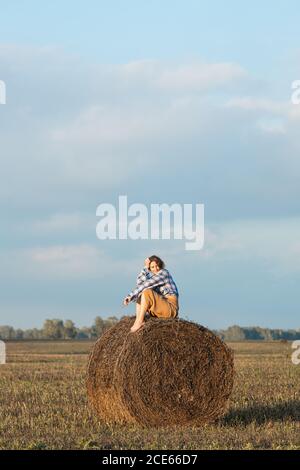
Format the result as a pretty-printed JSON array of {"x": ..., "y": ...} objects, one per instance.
[{"x": 170, "y": 372}]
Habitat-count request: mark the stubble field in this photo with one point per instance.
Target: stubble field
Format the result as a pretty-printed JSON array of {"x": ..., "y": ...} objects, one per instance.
[{"x": 43, "y": 403}]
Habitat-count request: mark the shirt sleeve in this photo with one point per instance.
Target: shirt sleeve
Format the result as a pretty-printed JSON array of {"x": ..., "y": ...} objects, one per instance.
[
  {"x": 143, "y": 276},
  {"x": 154, "y": 281}
]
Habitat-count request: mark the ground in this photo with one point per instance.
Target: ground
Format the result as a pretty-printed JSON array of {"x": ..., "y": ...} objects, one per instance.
[{"x": 44, "y": 403}]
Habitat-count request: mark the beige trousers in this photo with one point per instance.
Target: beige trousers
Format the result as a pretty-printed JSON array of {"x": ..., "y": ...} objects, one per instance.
[{"x": 159, "y": 306}]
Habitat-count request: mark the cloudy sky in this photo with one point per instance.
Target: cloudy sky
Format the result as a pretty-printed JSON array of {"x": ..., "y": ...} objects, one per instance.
[{"x": 165, "y": 102}]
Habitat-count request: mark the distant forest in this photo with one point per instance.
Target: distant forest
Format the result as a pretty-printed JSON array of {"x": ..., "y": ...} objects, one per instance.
[{"x": 55, "y": 329}]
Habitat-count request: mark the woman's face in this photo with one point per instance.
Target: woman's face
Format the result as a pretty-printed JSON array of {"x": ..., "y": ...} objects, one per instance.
[{"x": 154, "y": 268}]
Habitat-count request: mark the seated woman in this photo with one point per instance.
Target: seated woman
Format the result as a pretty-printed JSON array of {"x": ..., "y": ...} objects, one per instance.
[{"x": 156, "y": 293}]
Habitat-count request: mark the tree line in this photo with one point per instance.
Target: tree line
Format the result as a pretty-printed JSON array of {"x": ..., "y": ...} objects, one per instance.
[
  {"x": 59, "y": 329},
  {"x": 238, "y": 333},
  {"x": 56, "y": 329}
]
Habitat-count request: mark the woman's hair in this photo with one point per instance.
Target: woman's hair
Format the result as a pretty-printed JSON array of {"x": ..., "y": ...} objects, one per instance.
[{"x": 158, "y": 261}]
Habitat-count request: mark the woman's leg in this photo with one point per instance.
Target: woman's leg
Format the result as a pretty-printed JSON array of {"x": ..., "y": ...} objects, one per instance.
[{"x": 141, "y": 310}]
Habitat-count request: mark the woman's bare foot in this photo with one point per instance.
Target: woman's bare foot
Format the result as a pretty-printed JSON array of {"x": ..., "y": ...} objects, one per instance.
[{"x": 136, "y": 326}]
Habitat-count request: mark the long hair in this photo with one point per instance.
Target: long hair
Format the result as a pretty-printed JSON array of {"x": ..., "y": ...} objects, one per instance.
[{"x": 158, "y": 261}]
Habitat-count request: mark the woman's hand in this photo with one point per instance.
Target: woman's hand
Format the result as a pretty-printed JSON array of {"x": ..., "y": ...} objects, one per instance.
[
  {"x": 126, "y": 300},
  {"x": 147, "y": 263}
]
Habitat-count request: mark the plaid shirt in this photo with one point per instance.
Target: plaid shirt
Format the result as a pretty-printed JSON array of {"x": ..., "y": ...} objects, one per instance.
[{"x": 162, "y": 283}]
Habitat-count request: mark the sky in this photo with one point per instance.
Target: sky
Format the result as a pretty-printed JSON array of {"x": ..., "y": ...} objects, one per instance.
[{"x": 164, "y": 102}]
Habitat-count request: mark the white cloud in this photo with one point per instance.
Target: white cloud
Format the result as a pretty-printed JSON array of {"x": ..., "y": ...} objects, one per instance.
[
  {"x": 249, "y": 103},
  {"x": 58, "y": 223},
  {"x": 195, "y": 76},
  {"x": 272, "y": 126},
  {"x": 199, "y": 76},
  {"x": 274, "y": 242},
  {"x": 294, "y": 113},
  {"x": 61, "y": 262},
  {"x": 74, "y": 128}
]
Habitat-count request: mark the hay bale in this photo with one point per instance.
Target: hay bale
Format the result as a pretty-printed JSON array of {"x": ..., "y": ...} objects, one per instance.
[{"x": 169, "y": 372}]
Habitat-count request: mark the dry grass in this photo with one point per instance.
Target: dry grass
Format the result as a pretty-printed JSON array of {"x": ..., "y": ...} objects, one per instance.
[{"x": 44, "y": 405}]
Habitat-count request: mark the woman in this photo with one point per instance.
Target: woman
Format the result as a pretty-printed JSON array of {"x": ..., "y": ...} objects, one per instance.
[{"x": 156, "y": 292}]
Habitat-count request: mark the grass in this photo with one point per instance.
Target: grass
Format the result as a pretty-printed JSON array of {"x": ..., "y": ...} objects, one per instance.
[{"x": 43, "y": 403}]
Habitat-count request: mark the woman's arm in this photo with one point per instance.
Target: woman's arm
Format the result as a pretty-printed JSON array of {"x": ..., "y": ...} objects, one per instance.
[
  {"x": 145, "y": 273},
  {"x": 155, "y": 280},
  {"x": 143, "y": 276}
]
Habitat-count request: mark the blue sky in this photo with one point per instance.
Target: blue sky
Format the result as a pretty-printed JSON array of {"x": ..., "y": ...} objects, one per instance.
[{"x": 172, "y": 101}]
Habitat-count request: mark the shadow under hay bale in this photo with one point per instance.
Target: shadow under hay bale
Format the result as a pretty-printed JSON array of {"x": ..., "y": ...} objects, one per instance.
[{"x": 171, "y": 372}]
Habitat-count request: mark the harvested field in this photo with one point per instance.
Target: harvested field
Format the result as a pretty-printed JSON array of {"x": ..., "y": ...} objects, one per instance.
[{"x": 44, "y": 403}]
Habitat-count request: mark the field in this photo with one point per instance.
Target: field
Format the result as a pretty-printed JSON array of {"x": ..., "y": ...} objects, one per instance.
[{"x": 44, "y": 404}]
